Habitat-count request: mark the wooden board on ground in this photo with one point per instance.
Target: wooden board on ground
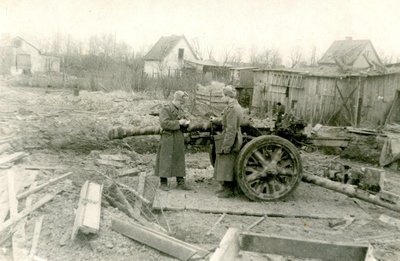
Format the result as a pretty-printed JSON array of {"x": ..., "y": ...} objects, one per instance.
[
  {"x": 228, "y": 249},
  {"x": 140, "y": 189},
  {"x": 303, "y": 248},
  {"x": 157, "y": 240},
  {"x": 10, "y": 158},
  {"x": 304, "y": 203},
  {"x": 87, "y": 218}
]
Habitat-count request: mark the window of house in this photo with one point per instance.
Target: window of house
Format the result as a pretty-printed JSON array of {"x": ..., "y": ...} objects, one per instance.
[{"x": 180, "y": 53}]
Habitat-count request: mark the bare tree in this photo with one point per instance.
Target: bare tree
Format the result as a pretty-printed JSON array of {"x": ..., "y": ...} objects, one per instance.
[
  {"x": 313, "y": 56},
  {"x": 267, "y": 58},
  {"x": 295, "y": 57}
]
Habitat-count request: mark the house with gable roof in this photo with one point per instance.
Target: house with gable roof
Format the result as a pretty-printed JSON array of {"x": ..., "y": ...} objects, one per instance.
[
  {"x": 167, "y": 56},
  {"x": 351, "y": 54},
  {"x": 20, "y": 56}
]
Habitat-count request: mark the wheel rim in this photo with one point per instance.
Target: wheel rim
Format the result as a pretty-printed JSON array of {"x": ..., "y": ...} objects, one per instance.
[{"x": 270, "y": 171}]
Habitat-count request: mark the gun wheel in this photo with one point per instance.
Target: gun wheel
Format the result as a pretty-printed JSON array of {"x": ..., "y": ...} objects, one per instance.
[{"x": 268, "y": 168}]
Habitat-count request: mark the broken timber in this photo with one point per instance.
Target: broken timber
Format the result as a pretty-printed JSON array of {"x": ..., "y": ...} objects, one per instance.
[
  {"x": 5, "y": 225},
  {"x": 159, "y": 241},
  {"x": 40, "y": 187},
  {"x": 36, "y": 235},
  {"x": 348, "y": 190},
  {"x": 138, "y": 204},
  {"x": 229, "y": 247},
  {"x": 10, "y": 158},
  {"x": 87, "y": 218},
  {"x": 304, "y": 248}
]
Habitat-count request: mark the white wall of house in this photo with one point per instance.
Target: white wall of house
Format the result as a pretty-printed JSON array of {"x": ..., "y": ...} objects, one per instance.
[
  {"x": 370, "y": 53},
  {"x": 171, "y": 63}
]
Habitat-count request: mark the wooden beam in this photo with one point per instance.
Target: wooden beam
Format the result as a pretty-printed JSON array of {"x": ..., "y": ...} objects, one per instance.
[
  {"x": 10, "y": 222},
  {"x": 40, "y": 187},
  {"x": 87, "y": 218},
  {"x": 228, "y": 248},
  {"x": 36, "y": 235},
  {"x": 157, "y": 240},
  {"x": 18, "y": 239},
  {"x": 10, "y": 158},
  {"x": 304, "y": 248},
  {"x": 138, "y": 204}
]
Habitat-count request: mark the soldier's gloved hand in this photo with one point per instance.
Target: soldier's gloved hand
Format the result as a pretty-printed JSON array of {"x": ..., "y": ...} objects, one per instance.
[{"x": 184, "y": 122}]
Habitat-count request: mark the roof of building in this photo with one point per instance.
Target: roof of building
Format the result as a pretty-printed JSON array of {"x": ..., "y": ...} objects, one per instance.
[
  {"x": 22, "y": 39},
  {"x": 346, "y": 50},
  {"x": 331, "y": 71},
  {"x": 244, "y": 68},
  {"x": 208, "y": 63},
  {"x": 164, "y": 46}
]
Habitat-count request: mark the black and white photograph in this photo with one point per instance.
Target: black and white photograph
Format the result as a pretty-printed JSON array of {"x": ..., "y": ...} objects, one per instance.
[{"x": 231, "y": 130}]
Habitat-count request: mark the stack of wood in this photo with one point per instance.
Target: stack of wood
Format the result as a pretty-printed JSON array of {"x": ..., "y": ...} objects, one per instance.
[{"x": 14, "y": 179}]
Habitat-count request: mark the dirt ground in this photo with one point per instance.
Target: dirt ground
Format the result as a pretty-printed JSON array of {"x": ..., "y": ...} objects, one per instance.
[{"x": 70, "y": 132}]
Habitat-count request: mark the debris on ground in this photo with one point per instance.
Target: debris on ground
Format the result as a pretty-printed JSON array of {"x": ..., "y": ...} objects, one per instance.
[{"x": 60, "y": 133}]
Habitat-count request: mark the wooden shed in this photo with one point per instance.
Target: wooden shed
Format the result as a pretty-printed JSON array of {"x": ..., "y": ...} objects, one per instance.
[{"x": 324, "y": 95}]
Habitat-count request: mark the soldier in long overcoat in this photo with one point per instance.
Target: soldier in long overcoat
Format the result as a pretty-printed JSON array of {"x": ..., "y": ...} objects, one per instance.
[
  {"x": 170, "y": 160},
  {"x": 228, "y": 143}
]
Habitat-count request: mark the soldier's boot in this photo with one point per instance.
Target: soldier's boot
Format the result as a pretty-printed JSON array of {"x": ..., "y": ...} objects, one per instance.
[
  {"x": 181, "y": 185},
  {"x": 164, "y": 184},
  {"x": 221, "y": 188},
  {"x": 227, "y": 191}
]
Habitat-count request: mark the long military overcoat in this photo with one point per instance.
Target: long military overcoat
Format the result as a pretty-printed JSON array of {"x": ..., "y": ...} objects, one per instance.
[
  {"x": 229, "y": 142},
  {"x": 170, "y": 160}
]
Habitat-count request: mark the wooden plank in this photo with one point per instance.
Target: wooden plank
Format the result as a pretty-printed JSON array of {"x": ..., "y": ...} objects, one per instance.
[
  {"x": 154, "y": 239},
  {"x": 129, "y": 172},
  {"x": 80, "y": 211},
  {"x": 25, "y": 212},
  {"x": 40, "y": 187},
  {"x": 18, "y": 239},
  {"x": 228, "y": 248},
  {"x": 87, "y": 218},
  {"x": 303, "y": 248},
  {"x": 216, "y": 224},
  {"x": 176, "y": 200},
  {"x": 10, "y": 158},
  {"x": 160, "y": 199},
  {"x": 389, "y": 196},
  {"x": 36, "y": 235},
  {"x": 390, "y": 220},
  {"x": 137, "y": 209},
  {"x": 91, "y": 219},
  {"x": 112, "y": 163},
  {"x": 43, "y": 168}
]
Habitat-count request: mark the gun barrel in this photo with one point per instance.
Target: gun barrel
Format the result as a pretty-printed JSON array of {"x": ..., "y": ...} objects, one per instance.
[{"x": 123, "y": 132}]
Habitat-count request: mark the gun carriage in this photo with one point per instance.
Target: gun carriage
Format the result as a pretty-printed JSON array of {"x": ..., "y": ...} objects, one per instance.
[{"x": 268, "y": 167}]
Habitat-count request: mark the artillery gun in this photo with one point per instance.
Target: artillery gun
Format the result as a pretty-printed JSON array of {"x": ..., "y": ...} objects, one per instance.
[{"x": 268, "y": 167}]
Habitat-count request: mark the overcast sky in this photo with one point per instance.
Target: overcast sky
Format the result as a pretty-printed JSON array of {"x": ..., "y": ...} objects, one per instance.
[{"x": 246, "y": 24}]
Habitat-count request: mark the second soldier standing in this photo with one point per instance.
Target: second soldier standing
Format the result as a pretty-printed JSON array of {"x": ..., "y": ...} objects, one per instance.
[{"x": 170, "y": 160}]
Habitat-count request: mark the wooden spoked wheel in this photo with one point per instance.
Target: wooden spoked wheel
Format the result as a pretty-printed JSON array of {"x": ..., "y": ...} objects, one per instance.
[{"x": 268, "y": 168}]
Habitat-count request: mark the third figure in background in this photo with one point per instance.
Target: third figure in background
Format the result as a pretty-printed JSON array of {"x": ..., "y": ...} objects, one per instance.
[{"x": 228, "y": 143}]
